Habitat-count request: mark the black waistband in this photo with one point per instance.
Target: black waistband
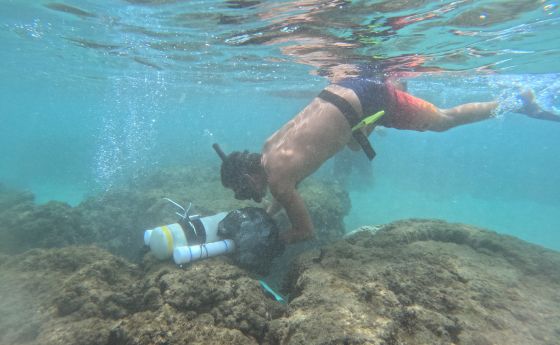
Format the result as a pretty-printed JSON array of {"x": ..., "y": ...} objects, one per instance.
[{"x": 352, "y": 117}]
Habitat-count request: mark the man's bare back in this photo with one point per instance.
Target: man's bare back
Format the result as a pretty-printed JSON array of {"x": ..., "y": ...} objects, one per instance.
[{"x": 321, "y": 129}]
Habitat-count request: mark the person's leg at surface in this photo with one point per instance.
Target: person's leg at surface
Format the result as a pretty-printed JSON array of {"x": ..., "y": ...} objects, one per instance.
[{"x": 410, "y": 112}]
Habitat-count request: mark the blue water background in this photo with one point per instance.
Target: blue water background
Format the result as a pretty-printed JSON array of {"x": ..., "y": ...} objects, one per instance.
[{"x": 75, "y": 121}]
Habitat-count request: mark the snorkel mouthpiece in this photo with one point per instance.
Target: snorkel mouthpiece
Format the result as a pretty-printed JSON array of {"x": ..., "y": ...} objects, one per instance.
[{"x": 219, "y": 151}]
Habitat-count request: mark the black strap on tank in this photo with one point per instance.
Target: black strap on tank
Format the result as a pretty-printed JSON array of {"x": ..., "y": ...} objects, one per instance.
[
  {"x": 194, "y": 231},
  {"x": 353, "y": 119}
]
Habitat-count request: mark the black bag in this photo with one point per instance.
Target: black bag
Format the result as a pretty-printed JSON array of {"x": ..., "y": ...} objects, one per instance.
[{"x": 256, "y": 238}]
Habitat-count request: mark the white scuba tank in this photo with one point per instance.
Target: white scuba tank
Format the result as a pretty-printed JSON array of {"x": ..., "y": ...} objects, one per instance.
[{"x": 162, "y": 240}]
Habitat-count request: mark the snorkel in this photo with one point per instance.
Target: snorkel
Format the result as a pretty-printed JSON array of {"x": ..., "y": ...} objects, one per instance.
[
  {"x": 228, "y": 182},
  {"x": 219, "y": 151}
]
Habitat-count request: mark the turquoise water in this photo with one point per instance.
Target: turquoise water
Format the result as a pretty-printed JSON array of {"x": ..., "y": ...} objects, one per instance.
[{"x": 96, "y": 92}]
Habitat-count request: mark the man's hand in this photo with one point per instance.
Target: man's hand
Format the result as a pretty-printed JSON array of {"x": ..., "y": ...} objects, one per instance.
[
  {"x": 273, "y": 207},
  {"x": 291, "y": 201}
]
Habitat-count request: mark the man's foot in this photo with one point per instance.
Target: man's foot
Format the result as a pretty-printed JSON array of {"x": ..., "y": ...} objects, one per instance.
[
  {"x": 529, "y": 105},
  {"x": 531, "y": 108}
]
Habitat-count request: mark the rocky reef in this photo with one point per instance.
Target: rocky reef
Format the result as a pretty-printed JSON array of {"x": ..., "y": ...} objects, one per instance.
[
  {"x": 423, "y": 282},
  {"x": 80, "y": 275},
  {"x": 115, "y": 220},
  {"x": 410, "y": 282},
  {"x": 85, "y": 295}
]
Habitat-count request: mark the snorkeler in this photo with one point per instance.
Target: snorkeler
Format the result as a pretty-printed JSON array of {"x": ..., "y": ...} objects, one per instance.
[{"x": 344, "y": 113}]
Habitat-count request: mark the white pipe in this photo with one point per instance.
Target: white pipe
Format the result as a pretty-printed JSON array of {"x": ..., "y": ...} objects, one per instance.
[{"x": 186, "y": 254}]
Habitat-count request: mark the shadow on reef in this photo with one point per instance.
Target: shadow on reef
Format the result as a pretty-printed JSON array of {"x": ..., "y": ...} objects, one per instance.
[
  {"x": 115, "y": 220},
  {"x": 411, "y": 282}
]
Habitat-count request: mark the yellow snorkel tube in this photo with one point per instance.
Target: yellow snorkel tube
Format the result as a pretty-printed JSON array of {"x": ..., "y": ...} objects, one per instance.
[{"x": 368, "y": 120}]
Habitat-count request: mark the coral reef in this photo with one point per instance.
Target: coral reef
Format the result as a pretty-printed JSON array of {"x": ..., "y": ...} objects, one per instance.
[
  {"x": 410, "y": 282},
  {"x": 79, "y": 275},
  {"x": 116, "y": 219},
  {"x": 423, "y": 282},
  {"x": 85, "y": 295},
  {"x": 25, "y": 225}
]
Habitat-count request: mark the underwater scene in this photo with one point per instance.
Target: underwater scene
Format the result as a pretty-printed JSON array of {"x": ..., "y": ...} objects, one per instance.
[{"x": 280, "y": 172}]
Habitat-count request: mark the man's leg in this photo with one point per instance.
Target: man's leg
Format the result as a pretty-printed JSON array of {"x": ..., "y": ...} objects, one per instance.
[
  {"x": 414, "y": 113},
  {"x": 464, "y": 114}
]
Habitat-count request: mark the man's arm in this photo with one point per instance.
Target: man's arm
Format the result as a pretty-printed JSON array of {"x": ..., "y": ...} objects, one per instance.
[
  {"x": 302, "y": 227},
  {"x": 274, "y": 207}
]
